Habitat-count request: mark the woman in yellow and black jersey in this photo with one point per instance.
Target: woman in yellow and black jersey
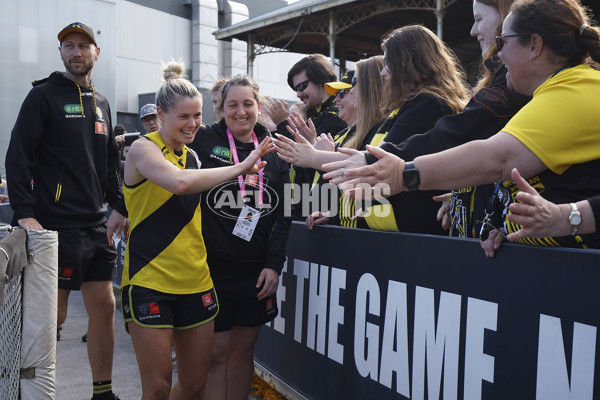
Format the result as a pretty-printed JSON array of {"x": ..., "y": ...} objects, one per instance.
[
  {"x": 167, "y": 292},
  {"x": 246, "y": 234}
]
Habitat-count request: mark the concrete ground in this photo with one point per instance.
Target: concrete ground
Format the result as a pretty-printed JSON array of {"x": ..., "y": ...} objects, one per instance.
[{"x": 73, "y": 375}]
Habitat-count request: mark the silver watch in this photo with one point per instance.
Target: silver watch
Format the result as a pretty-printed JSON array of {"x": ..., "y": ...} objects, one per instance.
[{"x": 574, "y": 219}]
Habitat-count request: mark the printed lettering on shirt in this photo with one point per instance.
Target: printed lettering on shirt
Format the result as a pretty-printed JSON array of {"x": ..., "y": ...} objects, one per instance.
[
  {"x": 221, "y": 151},
  {"x": 72, "y": 108}
]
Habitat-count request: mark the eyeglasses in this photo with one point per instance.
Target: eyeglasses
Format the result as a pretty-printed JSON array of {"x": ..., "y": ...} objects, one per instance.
[
  {"x": 353, "y": 81},
  {"x": 500, "y": 39},
  {"x": 301, "y": 87},
  {"x": 343, "y": 92}
]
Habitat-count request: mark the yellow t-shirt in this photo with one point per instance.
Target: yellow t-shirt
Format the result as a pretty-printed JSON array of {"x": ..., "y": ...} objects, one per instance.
[
  {"x": 561, "y": 124},
  {"x": 165, "y": 250}
]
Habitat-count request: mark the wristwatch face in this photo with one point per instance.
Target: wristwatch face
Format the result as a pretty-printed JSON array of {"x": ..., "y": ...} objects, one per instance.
[
  {"x": 411, "y": 178},
  {"x": 575, "y": 219}
]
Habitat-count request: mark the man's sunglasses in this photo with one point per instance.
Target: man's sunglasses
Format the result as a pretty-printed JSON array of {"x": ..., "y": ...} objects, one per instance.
[
  {"x": 500, "y": 39},
  {"x": 301, "y": 87}
]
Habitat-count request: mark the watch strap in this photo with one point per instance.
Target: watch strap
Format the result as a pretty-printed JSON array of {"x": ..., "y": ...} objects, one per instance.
[
  {"x": 577, "y": 214},
  {"x": 411, "y": 176}
]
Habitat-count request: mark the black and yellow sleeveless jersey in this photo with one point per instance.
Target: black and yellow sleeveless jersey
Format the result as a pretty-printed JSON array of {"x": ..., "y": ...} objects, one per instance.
[{"x": 165, "y": 251}]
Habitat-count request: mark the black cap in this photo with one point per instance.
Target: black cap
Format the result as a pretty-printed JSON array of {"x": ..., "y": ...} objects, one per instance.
[{"x": 77, "y": 27}]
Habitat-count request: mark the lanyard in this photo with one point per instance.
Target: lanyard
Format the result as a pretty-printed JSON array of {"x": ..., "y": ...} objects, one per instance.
[
  {"x": 486, "y": 225},
  {"x": 236, "y": 160}
]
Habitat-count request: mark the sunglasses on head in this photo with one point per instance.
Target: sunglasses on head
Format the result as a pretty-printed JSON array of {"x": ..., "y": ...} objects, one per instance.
[
  {"x": 301, "y": 87},
  {"x": 500, "y": 39}
]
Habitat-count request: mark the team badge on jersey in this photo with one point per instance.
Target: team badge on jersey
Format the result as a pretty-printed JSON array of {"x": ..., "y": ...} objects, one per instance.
[
  {"x": 101, "y": 128},
  {"x": 252, "y": 180},
  {"x": 207, "y": 299},
  {"x": 153, "y": 308}
]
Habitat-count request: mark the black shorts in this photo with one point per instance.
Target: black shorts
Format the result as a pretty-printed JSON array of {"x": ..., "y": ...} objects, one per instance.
[
  {"x": 239, "y": 304},
  {"x": 153, "y": 309},
  {"x": 84, "y": 255}
]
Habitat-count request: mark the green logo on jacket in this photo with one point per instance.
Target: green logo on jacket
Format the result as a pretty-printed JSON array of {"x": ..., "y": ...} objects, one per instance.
[
  {"x": 73, "y": 108},
  {"x": 221, "y": 151}
]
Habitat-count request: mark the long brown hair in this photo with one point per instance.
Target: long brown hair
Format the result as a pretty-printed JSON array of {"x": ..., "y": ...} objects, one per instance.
[
  {"x": 369, "y": 105},
  {"x": 503, "y": 7},
  {"x": 419, "y": 62}
]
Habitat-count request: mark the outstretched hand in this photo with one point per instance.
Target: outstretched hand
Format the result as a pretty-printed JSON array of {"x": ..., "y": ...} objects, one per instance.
[
  {"x": 386, "y": 172},
  {"x": 277, "y": 110},
  {"x": 299, "y": 153},
  {"x": 537, "y": 216},
  {"x": 298, "y": 125},
  {"x": 336, "y": 170},
  {"x": 250, "y": 163},
  {"x": 325, "y": 143}
]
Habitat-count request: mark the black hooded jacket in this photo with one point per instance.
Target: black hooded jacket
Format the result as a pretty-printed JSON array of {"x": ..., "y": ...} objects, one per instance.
[
  {"x": 62, "y": 161},
  {"x": 227, "y": 253}
]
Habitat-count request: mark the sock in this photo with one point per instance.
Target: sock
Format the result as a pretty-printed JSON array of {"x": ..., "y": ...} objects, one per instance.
[{"x": 102, "y": 390}]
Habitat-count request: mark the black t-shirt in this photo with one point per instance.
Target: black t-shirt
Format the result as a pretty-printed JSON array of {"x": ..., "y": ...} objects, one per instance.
[
  {"x": 221, "y": 209},
  {"x": 414, "y": 211},
  {"x": 485, "y": 115},
  {"x": 595, "y": 205},
  {"x": 573, "y": 185}
]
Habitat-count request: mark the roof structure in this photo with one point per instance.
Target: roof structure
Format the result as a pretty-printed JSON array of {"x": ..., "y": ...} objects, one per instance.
[
  {"x": 257, "y": 8},
  {"x": 351, "y": 29}
]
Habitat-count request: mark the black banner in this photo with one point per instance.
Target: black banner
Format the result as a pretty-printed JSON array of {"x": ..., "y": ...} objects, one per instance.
[{"x": 377, "y": 315}]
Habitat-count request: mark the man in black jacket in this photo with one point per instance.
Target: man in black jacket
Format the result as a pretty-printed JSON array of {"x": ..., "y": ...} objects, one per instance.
[
  {"x": 307, "y": 79},
  {"x": 62, "y": 169}
]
